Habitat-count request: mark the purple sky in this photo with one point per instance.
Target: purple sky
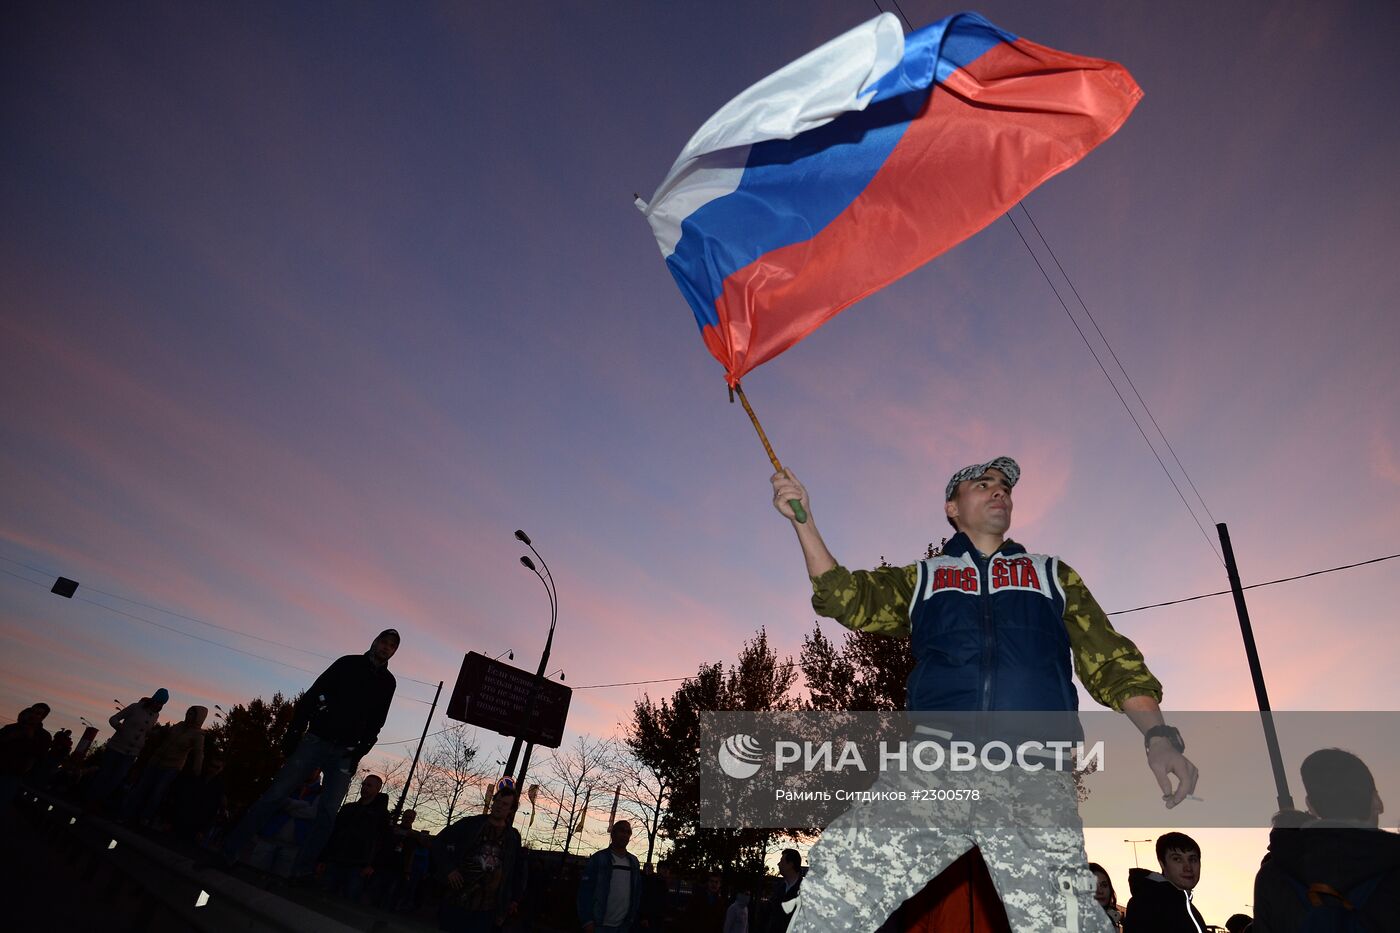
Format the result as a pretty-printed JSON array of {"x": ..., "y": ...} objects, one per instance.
[{"x": 306, "y": 310}]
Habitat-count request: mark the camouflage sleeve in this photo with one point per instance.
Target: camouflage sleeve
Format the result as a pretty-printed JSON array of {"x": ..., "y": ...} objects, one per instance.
[
  {"x": 867, "y": 600},
  {"x": 1109, "y": 665}
]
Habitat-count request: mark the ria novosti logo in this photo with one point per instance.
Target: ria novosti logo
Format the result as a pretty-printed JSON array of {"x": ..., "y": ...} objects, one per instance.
[{"x": 740, "y": 756}]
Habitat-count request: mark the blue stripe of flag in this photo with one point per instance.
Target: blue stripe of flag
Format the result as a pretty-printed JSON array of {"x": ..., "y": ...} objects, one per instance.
[{"x": 792, "y": 188}]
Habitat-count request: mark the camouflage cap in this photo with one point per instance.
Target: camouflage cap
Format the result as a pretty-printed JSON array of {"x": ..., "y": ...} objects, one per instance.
[{"x": 1009, "y": 468}]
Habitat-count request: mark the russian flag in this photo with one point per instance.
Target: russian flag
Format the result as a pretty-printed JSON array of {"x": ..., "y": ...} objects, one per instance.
[{"x": 861, "y": 161}]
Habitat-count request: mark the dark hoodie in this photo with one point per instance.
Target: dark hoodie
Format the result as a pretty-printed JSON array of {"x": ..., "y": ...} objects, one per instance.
[
  {"x": 359, "y": 826},
  {"x": 1158, "y": 906},
  {"x": 1331, "y": 852},
  {"x": 348, "y": 703}
]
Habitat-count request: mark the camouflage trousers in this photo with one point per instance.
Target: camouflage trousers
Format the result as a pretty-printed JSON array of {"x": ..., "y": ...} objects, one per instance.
[{"x": 883, "y": 851}]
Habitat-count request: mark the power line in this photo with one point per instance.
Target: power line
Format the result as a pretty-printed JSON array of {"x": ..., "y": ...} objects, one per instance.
[
  {"x": 632, "y": 683},
  {"x": 1117, "y": 612},
  {"x": 189, "y": 618},
  {"x": 663, "y": 680},
  {"x": 1314, "y": 573},
  {"x": 909, "y": 26},
  {"x": 1104, "y": 369},
  {"x": 1142, "y": 401},
  {"x": 411, "y": 739},
  {"x": 171, "y": 628}
]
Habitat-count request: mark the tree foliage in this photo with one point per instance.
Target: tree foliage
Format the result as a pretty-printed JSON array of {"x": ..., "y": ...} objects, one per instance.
[
  {"x": 866, "y": 672},
  {"x": 664, "y": 737},
  {"x": 249, "y": 739}
]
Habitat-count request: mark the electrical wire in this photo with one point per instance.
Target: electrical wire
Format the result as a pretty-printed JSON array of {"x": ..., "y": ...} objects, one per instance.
[
  {"x": 1116, "y": 391},
  {"x": 909, "y": 26},
  {"x": 170, "y": 628},
  {"x": 664, "y": 680},
  {"x": 1121, "y": 368},
  {"x": 1314, "y": 573},
  {"x": 189, "y": 618}
]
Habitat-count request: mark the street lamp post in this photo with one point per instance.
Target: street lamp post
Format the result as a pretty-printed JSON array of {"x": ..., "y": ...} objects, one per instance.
[
  {"x": 547, "y": 579},
  {"x": 1135, "y": 843}
]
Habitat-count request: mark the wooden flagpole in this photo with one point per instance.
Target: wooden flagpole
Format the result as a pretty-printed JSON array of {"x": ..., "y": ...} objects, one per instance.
[{"x": 798, "y": 512}]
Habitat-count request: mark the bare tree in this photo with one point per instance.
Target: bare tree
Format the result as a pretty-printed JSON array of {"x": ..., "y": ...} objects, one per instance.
[
  {"x": 452, "y": 770},
  {"x": 446, "y": 784},
  {"x": 644, "y": 795},
  {"x": 571, "y": 776},
  {"x": 393, "y": 772}
]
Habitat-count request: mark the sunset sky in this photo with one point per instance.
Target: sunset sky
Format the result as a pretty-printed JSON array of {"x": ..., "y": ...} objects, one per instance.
[{"x": 307, "y": 308}]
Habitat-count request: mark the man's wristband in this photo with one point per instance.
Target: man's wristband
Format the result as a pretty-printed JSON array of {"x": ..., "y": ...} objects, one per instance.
[{"x": 1169, "y": 733}]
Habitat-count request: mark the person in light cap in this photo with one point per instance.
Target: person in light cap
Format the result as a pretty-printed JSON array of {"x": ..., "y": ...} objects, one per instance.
[
  {"x": 993, "y": 628},
  {"x": 336, "y": 722}
]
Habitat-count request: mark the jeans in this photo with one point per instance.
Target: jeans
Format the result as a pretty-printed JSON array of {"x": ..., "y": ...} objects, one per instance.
[
  {"x": 337, "y": 764},
  {"x": 110, "y": 773},
  {"x": 143, "y": 802}
]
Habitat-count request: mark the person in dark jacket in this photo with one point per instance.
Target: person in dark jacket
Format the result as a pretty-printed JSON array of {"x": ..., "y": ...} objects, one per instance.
[
  {"x": 359, "y": 827},
  {"x": 199, "y": 802},
  {"x": 47, "y": 769},
  {"x": 23, "y": 744},
  {"x": 610, "y": 890},
  {"x": 1238, "y": 923},
  {"x": 658, "y": 909},
  {"x": 1161, "y": 901},
  {"x": 790, "y": 871},
  {"x": 1339, "y": 855},
  {"x": 391, "y": 862},
  {"x": 478, "y": 861},
  {"x": 707, "y": 908},
  {"x": 341, "y": 715}
]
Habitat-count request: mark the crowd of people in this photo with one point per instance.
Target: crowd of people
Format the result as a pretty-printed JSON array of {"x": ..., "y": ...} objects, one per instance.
[
  {"x": 1327, "y": 868},
  {"x": 1323, "y": 866},
  {"x": 474, "y": 874}
]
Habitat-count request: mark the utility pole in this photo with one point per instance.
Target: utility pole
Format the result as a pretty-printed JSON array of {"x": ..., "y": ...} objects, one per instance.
[
  {"x": 398, "y": 807},
  {"x": 1266, "y": 716}
]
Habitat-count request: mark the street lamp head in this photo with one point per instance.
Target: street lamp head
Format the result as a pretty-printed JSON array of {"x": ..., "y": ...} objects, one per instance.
[
  {"x": 522, "y": 536},
  {"x": 527, "y": 562}
]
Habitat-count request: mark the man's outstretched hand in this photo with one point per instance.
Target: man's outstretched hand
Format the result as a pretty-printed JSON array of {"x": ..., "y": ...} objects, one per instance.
[
  {"x": 1165, "y": 761},
  {"x": 1162, "y": 756}
]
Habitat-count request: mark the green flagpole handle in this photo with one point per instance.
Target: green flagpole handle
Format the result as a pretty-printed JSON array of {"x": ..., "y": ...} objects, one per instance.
[{"x": 798, "y": 511}]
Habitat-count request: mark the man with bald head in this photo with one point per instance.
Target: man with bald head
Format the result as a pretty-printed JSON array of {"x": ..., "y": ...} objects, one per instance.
[{"x": 993, "y": 627}]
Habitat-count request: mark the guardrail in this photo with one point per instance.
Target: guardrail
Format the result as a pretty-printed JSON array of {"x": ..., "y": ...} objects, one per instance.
[{"x": 173, "y": 894}]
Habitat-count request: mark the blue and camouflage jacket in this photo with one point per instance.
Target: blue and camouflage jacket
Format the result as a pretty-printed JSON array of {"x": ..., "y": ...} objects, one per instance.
[{"x": 991, "y": 632}]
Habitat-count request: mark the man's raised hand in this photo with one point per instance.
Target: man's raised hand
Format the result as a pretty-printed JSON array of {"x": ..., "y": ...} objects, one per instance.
[{"x": 786, "y": 489}]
